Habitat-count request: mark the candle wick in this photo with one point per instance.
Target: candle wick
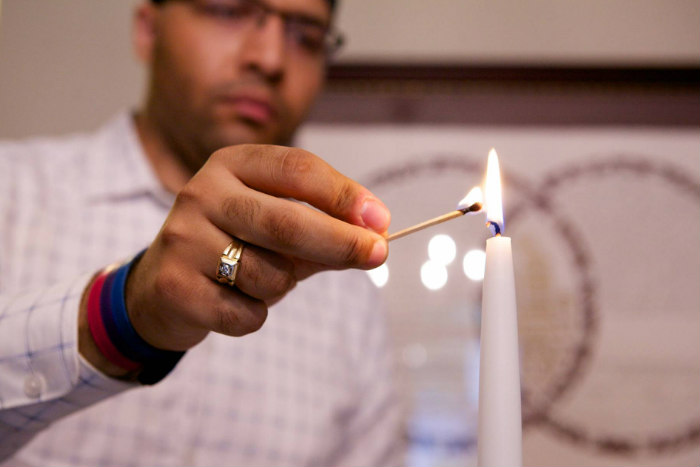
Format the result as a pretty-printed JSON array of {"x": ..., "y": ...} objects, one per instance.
[{"x": 494, "y": 227}]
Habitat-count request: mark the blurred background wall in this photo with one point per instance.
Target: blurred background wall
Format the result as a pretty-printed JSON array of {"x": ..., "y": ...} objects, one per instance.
[
  {"x": 594, "y": 107},
  {"x": 57, "y": 57}
]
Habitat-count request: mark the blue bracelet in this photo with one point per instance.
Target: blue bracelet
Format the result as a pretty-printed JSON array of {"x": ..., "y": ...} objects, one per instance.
[
  {"x": 108, "y": 318},
  {"x": 157, "y": 362},
  {"x": 129, "y": 342}
]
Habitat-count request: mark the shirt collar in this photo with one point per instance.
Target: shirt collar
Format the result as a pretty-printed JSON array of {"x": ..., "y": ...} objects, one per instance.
[{"x": 118, "y": 166}]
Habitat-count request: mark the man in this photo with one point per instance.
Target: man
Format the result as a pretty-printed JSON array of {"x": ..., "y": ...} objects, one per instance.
[{"x": 227, "y": 239}]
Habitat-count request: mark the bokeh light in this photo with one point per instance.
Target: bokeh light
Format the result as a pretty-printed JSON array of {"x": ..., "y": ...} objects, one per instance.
[
  {"x": 379, "y": 275},
  {"x": 433, "y": 275},
  {"x": 474, "y": 264},
  {"x": 442, "y": 249}
]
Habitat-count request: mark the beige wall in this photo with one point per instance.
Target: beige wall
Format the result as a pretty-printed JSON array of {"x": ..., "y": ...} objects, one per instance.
[
  {"x": 67, "y": 64},
  {"x": 64, "y": 65},
  {"x": 540, "y": 31}
]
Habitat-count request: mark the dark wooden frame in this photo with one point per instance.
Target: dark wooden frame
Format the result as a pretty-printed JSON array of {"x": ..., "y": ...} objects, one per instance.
[{"x": 510, "y": 95}]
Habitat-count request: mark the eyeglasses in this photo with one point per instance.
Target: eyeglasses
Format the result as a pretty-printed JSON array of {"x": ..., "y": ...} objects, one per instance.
[{"x": 303, "y": 33}]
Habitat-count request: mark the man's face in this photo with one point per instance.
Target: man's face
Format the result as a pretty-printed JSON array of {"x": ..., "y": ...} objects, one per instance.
[{"x": 215, "y": 83}]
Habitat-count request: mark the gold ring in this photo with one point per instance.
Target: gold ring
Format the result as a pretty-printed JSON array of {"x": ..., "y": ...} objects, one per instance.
[{"x": 228, "y": 263}]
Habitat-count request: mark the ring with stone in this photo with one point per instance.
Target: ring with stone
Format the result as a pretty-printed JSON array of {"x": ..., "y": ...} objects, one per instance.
[{"x": 229, "y": 262}]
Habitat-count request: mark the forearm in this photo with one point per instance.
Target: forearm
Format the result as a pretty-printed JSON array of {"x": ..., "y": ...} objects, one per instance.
[{"x": 42, "y": 376}]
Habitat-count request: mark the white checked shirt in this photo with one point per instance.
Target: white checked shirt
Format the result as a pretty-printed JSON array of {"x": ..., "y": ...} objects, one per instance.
[{"x": 312, "y": 387}]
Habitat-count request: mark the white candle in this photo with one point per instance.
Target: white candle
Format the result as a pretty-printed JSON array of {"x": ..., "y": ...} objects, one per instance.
[{"x": 499, "y": 441}]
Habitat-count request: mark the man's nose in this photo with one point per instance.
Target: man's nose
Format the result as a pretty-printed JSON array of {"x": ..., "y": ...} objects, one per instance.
[{"x": 265, "y": 48}]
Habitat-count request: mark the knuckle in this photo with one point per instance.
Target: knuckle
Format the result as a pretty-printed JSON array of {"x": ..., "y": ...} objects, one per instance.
[
  {"x": 187, "y": 195},
  {"x": 173, "y": 234},
  {"x": 344, "y": 198},
  {"x": 352, "y": 251},
  {"x": 240, "y": 208},
  {"x": 282, "y": 281},
  {"x": 286, "y": 228},
  {"x": 167, "y": 286},
  {"x": 287, "y": 281},
  {"x": 259, "y": 280},
  {"x": 222, "y": 154},
  {"x": 219, "y": 154},
  {"x": 238, "y": 322},
  {"x": 269, "y": 277},
  {"x": 226, "y": 321},
  {"x": 240, "y": 154},
  {"x": 295, "y": 165}
]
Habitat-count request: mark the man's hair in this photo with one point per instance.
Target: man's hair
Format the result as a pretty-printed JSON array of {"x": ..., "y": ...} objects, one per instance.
[{"x": 330, "y": 2}]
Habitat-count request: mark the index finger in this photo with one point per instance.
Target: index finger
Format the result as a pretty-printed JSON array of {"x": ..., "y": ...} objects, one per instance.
[{"x": 296, "y": 173}]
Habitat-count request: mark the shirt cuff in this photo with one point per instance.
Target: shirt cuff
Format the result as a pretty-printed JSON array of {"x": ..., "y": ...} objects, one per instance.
[
  {"x": 42, "y": 375},
  {"x": 39, "y": 358}
]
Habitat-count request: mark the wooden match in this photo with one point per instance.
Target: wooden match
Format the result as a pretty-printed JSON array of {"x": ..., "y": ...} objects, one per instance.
[{"x": 434, "y": 221}]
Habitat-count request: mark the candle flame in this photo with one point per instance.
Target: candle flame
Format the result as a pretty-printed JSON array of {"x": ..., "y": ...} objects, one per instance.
[
  {"x": 493, "y": 200},
  {"x": 473, "y": 200}
]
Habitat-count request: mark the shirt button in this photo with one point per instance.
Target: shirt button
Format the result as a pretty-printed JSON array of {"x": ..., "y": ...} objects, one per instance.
[{"x": 34, "y": 385}]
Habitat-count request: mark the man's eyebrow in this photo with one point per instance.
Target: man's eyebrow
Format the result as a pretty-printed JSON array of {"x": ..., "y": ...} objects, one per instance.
[{"x": 308, "y": 17}]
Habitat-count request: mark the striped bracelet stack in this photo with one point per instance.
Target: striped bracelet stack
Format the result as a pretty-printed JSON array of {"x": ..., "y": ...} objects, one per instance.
[{"x": 114, "y": 334}]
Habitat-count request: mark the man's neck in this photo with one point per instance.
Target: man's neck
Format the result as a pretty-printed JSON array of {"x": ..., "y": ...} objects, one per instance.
[{"x": 172, "y": 173}]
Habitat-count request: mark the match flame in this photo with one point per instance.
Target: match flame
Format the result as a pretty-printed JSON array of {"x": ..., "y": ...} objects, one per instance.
[
  {"x": 494, "y": 203},
  {"x": 473, "y": 198}
]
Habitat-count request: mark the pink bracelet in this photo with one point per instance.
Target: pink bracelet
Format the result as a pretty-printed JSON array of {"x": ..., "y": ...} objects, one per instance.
[{"x": 98, "y": 331}]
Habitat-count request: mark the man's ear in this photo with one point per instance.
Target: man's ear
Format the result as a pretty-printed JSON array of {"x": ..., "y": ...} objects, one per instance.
[{"x": 144, "y": 29}]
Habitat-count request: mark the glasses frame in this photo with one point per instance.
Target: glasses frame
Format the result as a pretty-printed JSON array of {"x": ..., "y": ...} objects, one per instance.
[{"x": 333, "y": 39}]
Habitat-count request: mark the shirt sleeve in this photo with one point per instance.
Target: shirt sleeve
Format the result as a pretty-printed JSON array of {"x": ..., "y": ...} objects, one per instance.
[
  {"x": 376, "y": 430},
  {"x": 42, "y": 375}
]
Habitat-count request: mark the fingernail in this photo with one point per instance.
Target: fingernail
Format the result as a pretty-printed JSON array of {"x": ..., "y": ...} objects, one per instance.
[
  {"x": 378, "y": 254},
  {"x": 375, "y": 215}
]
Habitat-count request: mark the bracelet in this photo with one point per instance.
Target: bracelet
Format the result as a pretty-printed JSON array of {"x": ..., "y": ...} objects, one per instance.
[
  {"x": 98, "y": 331},
  {"x": 116, "y": 319},
  {"x": 114, "y": 334}
]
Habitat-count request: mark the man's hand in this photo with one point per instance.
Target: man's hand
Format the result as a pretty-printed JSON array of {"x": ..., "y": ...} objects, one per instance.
[{"x": 172, "y": 294}]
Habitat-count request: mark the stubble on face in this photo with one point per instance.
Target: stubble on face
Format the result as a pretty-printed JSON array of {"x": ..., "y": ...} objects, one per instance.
[{"x": 205, "y": 95}]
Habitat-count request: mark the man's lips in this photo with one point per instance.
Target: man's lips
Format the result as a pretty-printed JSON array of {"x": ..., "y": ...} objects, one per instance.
[{"x": 256, "y": 109}]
